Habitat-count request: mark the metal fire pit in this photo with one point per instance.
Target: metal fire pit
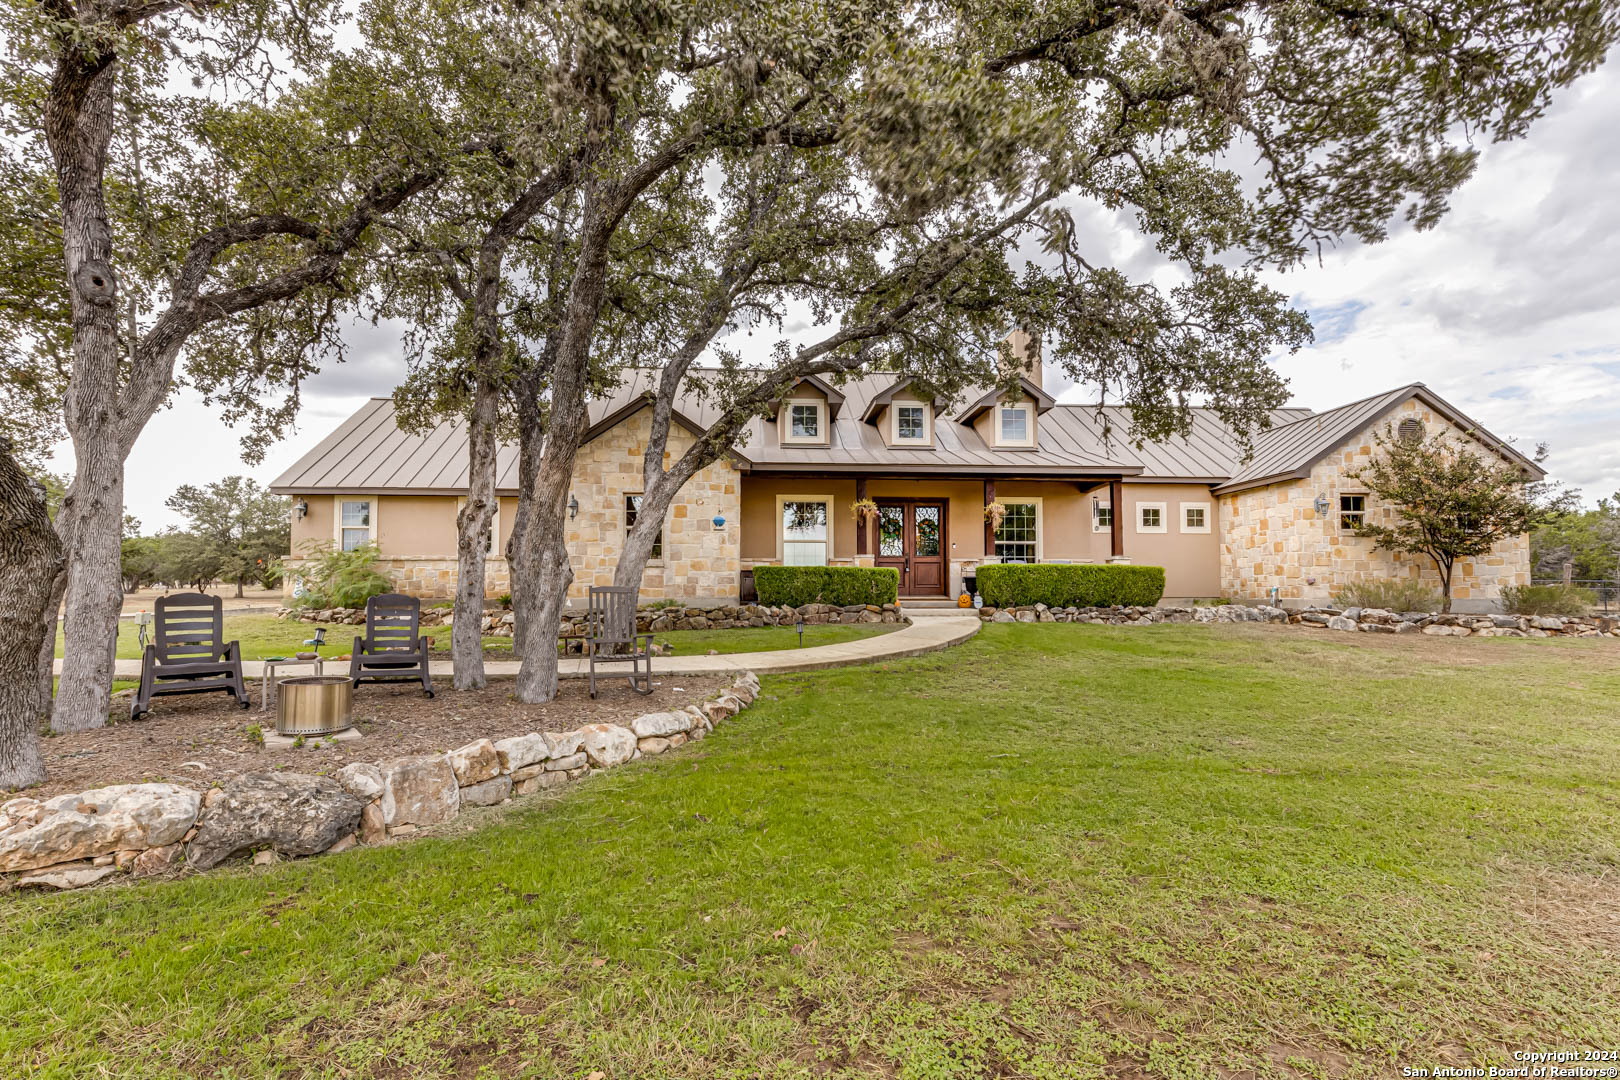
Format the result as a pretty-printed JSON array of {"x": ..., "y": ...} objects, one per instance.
[{"x": 313, "y": 704}]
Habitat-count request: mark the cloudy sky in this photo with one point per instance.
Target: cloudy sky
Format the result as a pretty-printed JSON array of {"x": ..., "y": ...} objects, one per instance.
[{"x": 1510, "y": 309}]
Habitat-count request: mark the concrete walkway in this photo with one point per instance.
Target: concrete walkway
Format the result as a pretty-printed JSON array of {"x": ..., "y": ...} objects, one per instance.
[{"x": 923, "y": 636}]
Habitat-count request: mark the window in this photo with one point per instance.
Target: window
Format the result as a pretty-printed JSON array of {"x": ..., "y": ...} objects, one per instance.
[
  {"x": 355, "y": 523},
  {"x": 806, "y": 540},
  {"x": 632, "y": 510},
  {"x": 1018, "y": 538},
  {"x": 910, "y": 424},
  {"x": 805, "y": 421},
  {"x": 1352, "y": 512},
  {"x": 1102, "y": 517},
  {"x": 1014, "y": 424},
  {"x": 1195, "y": 517},
  {"x": 1150, "y": 517}
]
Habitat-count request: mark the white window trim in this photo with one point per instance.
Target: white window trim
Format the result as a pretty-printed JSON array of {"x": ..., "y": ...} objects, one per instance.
[
  {"x": 822, "y": 436},
  {"x": 1164, "y": 517},
  {"x": 1096, "y": 524},
  {"x": 1182, "y": 512},
  {"x": 1040, "y": 523},
  {"x": 494, "y": 551},
  {"x": 1029, "y": 424},
  {"x": 337, "y": 515},
  {"x": 1339, "y": 511},
  {"x": 663, "y": 527},
  {"x": 894, "y": 423},
  {"x": 781, "y": 534}
]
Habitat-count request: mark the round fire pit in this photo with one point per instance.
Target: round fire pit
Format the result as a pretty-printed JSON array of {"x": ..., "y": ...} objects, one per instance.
[{"x": 313, "y": 704}]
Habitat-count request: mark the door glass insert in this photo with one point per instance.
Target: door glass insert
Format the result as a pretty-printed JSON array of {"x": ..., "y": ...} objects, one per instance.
[
  {"x": 927, "y": 530},
  {"x": 892, "y": 531}
]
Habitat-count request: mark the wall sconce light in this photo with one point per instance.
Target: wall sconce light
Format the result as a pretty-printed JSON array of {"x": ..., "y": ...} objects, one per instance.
[
  {"x": 301, "y": 507},
  {"x": 1321, "y": 504},
  {"x": 719, "y": 521},
  {"x": 573, "y": 508}
]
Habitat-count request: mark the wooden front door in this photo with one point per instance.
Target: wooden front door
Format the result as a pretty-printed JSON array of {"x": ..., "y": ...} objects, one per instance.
[{"x": 911, "y": 538}]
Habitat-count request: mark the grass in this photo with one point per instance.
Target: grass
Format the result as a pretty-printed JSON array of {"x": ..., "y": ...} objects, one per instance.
[
  {"x": 1053, "y": 852},
  {"x": 266, "y": 635}
]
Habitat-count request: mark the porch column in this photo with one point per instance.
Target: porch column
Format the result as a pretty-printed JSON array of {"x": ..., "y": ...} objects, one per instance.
[
  {"x": 989, "y": 529},
  {"x": 1116, "y": 502},
  {"x": 860, "y": 520}
]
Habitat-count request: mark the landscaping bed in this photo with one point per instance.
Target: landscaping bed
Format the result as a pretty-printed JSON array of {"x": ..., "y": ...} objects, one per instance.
[{"x": 197, "y": 739}]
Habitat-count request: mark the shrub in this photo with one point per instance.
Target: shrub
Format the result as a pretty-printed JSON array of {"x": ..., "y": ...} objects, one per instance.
[
  {"x": 795, "y": 586},
  {"x": 1545, "y": 600},
  {"x": 347, "y": 579},
  {"x": 1055, "y": 585},
  {"x": 1389, "y": 594}
]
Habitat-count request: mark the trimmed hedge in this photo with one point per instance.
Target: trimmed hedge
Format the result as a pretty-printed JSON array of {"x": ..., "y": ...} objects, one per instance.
[
  {"x": 1007, "y": 585},
  {"x": 795, "y": 586}
]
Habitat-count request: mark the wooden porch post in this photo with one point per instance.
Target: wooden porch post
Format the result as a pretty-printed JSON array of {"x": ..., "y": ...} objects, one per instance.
[
  {"x": 1116, "y": 513},
  {"x": 860, "y": 522},
  {"x": 989, "y": 529}
]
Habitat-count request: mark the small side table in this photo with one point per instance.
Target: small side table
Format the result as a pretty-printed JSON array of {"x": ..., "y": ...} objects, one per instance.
[{"x": 267, "y": 681}]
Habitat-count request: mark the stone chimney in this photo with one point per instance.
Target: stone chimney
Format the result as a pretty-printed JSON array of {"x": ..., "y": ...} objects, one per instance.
[{"x": 1026, "y": 350}]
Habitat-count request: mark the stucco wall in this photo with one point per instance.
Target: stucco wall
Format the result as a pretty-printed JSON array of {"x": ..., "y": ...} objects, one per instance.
[
  {"x": 1191, "y": 560},
  {"x": 1273, "y": 537}
]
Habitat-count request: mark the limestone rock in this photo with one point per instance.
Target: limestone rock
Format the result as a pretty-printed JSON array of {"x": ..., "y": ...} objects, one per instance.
[
  {"x": 539, "y": 782},
  {"x": 1003, "y": 616},
  {"x": 156, "y": 861},
  {"x": 97, "y": 822},
  {"x": 528, "y": 772},
  {"x": 563, "y": 744},
  {"x": 66, "y": 877},
  {"x": 373, "y": 830},
  {"x": 607, "y": 745},
  {"x": 419, "y": 791},
  {"x": 654, "y": 725},
  {"x": 265, "y": 857},
  {"x": 1341, "y": 622},
  {"x": 292, "y": 813},
  {"x": 475, "y": 762},
  {"x": 489, "y": 793},
  {"x": 566, "y": 764},
  {"x": 362, "y": 779},
  {"x": 344, "y": 843},
  {"x": 652, "y": 745},
  {"x": 522, "y": 751}
]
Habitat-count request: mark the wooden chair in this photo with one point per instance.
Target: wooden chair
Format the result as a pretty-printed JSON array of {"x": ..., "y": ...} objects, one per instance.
[
  {"x": 188, "y": 653},
  {"x": 394, "y": 647},
  {"x": 611, "y": 638}
]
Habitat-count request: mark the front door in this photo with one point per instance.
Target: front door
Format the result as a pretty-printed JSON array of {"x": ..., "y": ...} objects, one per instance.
[{"x": 911, "y": 538}]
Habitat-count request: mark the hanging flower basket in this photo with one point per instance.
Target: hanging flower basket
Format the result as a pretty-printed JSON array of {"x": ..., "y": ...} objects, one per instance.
[
  {"x": 994, "y": 513},
  {"x": 865, "y": 510}
]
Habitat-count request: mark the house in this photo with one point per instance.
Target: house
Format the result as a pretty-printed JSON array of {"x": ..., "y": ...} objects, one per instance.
[{"x": 1276, "y": 525}]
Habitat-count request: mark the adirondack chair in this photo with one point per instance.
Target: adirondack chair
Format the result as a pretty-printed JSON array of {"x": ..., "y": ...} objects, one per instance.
[
  {"x": 393, "y": 648},
  {"x": 188, "y": 653},
  {"x": 611, "y": 638}
]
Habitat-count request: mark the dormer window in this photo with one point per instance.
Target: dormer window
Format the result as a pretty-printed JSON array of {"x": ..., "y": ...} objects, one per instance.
[
  {"x": 1014, "y": 421},
  {"x": 911, "y": 423},
  {"x": 806, "y": 420}
]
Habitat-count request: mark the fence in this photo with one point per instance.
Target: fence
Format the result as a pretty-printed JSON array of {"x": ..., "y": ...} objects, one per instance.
[{"x": 1605, "y": 591}]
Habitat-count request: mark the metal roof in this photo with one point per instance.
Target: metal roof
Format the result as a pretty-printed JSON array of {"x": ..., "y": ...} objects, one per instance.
[
  {"x": 1289, "y": 452},
  {"x": 368, "y": 452}
]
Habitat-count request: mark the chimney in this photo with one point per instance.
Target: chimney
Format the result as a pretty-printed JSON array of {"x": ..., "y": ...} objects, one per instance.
[{"x": 1026, "y": 350}]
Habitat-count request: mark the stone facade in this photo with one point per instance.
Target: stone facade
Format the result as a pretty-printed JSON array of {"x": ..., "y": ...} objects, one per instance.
[{"x": 1273, "y": 538}]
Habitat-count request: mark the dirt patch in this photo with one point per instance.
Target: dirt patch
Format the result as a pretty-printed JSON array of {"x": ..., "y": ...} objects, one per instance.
[
  {"x": 1570, "y": 908},
  {"x": 196, "y": 740}
]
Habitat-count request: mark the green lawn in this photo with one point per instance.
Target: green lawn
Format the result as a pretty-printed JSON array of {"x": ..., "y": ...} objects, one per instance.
[
  {"x": 1055, "y": 851},
  {"x": 266, "y": 635}
]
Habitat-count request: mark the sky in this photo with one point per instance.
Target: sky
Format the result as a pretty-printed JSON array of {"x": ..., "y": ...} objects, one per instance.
[{"x": 1509, "y": 309}]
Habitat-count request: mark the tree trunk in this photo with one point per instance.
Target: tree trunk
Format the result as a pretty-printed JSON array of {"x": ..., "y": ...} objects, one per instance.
[
  {"x": 638, "y": 543},
  {"x": 521, "y": 573},
  {"x": 238, "y": 588},
  {"x": 472, "y": 539},
  {"x": 30, "y": 556},
  {"x": 1445, "y": 568}
]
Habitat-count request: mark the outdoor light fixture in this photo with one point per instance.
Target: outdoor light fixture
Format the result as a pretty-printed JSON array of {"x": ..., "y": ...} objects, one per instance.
[
  {"x": 799, "y": 627},
  {"x": 319, "y": 639},
  {"x": 300, "y": 508},
  {"x": 573, "y": 508},
  {"x": 719, "y": 521},
  {"x": 1321, "y": 504}
]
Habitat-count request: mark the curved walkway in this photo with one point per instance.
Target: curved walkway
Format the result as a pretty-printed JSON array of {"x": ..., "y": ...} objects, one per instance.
[{"x": 924, "y": 635}]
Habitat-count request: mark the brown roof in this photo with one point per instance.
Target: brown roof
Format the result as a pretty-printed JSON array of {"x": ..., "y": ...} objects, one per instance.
[
  {"x": 1289, "y": 452},
  {"x": 368, "y": 452}
]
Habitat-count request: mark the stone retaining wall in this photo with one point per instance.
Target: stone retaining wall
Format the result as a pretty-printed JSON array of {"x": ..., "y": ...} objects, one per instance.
[
  {"x": 649, "y": 619},
  {"x": 1366, "y": 620},
  {"x": 80, "y": 839}
]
